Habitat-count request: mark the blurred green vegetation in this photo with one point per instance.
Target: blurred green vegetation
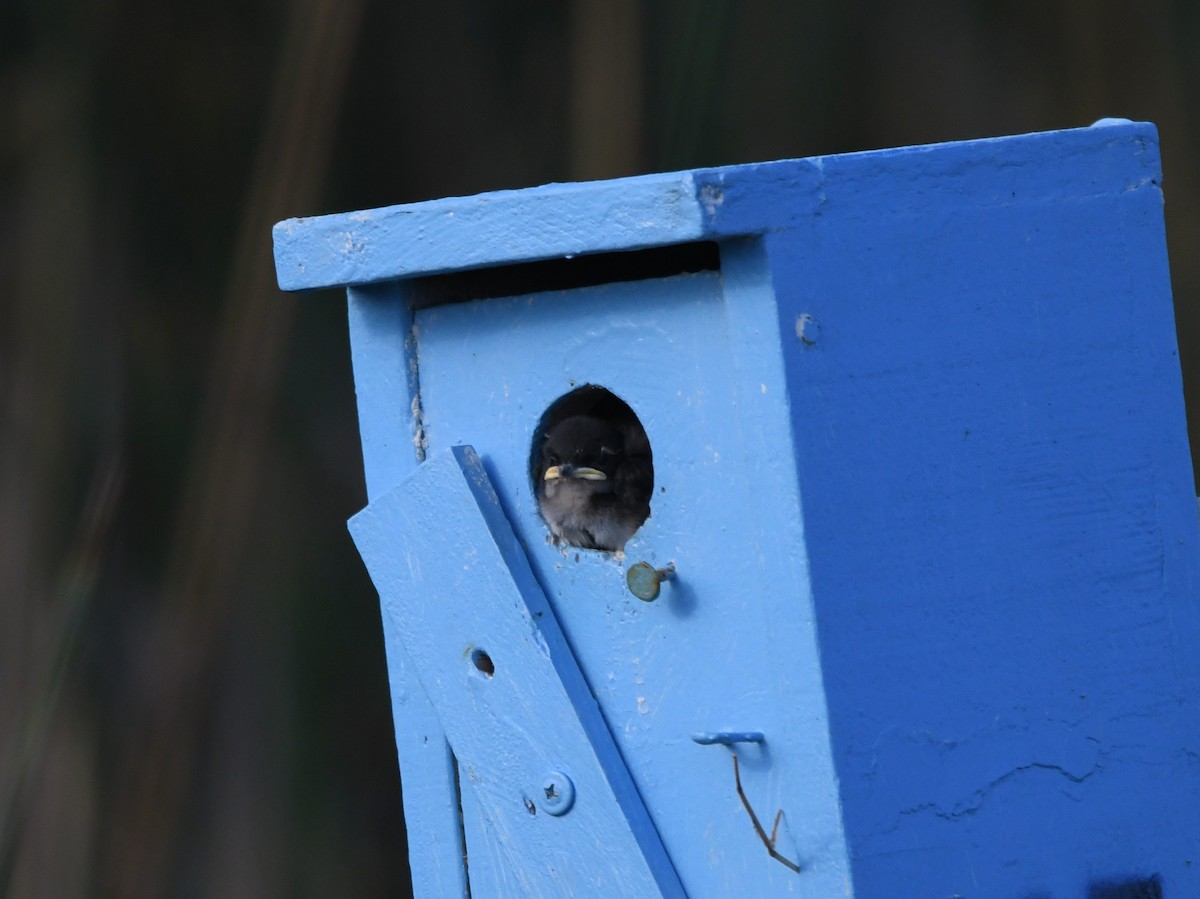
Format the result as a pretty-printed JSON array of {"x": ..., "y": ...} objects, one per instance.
[{"x": 193, "y": 699}]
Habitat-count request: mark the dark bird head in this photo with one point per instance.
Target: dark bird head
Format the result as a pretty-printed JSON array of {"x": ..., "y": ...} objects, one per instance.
[
  {"x": 583, "y": 448},
  {"x": 591, "y": 493}
]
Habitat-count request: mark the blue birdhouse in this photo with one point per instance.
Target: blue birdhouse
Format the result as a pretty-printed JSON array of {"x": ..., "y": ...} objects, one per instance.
[{"x": 822, "y": 528}]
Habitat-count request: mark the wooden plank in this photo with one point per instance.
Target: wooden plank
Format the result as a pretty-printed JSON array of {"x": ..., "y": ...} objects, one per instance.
[
  {"x": 386, "y": 386},
  {"x": 499, "y": 228},
  {"x": 485, "y": 644}
]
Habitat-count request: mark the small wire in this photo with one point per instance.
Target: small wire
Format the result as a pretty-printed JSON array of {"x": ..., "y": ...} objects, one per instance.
[{"x": 769, "y": 842}]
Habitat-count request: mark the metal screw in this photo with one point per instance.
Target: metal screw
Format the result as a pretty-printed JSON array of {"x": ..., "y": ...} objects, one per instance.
[
  {"x": 643, "y": 579},
  {"x": 559, "y": 793}
]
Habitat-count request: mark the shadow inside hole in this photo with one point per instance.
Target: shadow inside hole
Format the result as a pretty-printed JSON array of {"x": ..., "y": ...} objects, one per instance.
[
  {"x": 630, "y": 479},
  {"x": 483, "y": 662}
]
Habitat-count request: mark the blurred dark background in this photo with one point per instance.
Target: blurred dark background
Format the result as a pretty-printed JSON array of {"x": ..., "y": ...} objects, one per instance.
[{"x": 193, "y": 700}]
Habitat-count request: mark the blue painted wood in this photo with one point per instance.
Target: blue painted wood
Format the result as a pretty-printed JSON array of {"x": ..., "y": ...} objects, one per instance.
[
  {"x": 928, "y": 493},
  {"x": 457, "y": 586},
  {"x": 451, "y": 235},
  {"x": 560, "y": 220},
  {"x": 732, "y": 633},
  {"x": 384, "y": 360},
  {"x": 997, "y": 490}
]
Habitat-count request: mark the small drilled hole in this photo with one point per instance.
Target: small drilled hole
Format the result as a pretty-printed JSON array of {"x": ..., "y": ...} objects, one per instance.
[{"x": 483, "y": 662}]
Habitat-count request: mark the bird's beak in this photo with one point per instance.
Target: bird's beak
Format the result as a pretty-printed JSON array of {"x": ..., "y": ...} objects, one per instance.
[
  {"x": 589, "y": 474},
  {"x": 554, "y": 472}
]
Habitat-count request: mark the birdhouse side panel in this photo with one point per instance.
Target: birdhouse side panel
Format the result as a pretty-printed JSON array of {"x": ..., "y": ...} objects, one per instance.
[{"x": 991, "y": 445}]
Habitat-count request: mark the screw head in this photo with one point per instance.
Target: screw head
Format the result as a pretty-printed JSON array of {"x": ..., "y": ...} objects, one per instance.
[
  {"x": 558, "y": 793},
  {"x": 643, "y": 579}
]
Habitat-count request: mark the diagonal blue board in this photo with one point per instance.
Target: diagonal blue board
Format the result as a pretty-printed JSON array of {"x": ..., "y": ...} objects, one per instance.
[{"x": 458, "y": 589}]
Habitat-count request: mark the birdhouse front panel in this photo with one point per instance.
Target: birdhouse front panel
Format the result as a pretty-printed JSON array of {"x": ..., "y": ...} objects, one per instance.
[{"x": 728, "y": 645}]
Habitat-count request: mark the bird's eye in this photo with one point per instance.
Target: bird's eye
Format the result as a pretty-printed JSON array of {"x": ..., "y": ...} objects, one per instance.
[
  {"x": 607, "y": 451},
  {"x": 553, "y": 459}
]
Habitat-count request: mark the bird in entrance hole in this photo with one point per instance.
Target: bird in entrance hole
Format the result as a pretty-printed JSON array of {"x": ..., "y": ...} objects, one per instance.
[{"x": 594, "y": 481}]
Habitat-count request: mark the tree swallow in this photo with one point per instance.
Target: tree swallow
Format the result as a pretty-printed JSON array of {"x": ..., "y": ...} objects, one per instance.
[{"x": 594, "y": 481}]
